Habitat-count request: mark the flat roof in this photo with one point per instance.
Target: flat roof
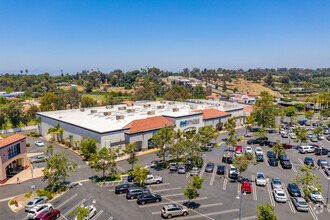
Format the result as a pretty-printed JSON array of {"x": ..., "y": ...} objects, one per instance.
[{"x": 101, "y": 123}]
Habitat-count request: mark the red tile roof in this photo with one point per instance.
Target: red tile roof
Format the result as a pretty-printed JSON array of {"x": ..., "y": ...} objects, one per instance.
[
  {"x": 12, "y": 99},
  {"x": 211, "y": 96},
  {"x": 11, "y": 139},
  {"x": 147, "y": 124},
  {"x": 127, "y": 102},
  {"x": 247, "y": 109},
  {"x": 212, "y": 113},
  {"x": 238, "y": 96}
]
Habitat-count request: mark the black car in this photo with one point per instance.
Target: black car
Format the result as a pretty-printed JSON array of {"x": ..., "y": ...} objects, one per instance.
[
  {"x": 272, "y": 162},
  {"x": 260, "y": 158},
  {"x": 270, "y": 154},
  {"x": 321, "y": 150},
  {"x": 130, "y": 178},
  {"x": 221, "y": 169},
  {"x": 283, "y": 157},
  {"x": 322, "y": 163},
  {"x": 309, "y": 161},
  {"x": 135, "y": 192},
  {"x": 286, "y": 164},
  {"x": 123, "y": 188},
  {"x": 314, "y": 124},
  {"x": 262, "y": 139},
  {"x": 294, "y": 190},
  {"x": 209, "y": 167},
  {"x": 253, "y": 141},
  {"x": 174, "y": 166},
  {"x": 272, "y": 143},
  {"x": 148, "y": 198},
  {"x": 264, "y": 142}
]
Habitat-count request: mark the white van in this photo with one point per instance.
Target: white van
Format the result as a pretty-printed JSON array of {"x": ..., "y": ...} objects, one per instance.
[{"x": 306, "y": 149}]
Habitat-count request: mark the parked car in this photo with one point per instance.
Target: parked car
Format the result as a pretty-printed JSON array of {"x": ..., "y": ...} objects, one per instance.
[
  {"x": 49, "y": 215},
  {"x": 264, "y": 142},
  {"x": 313, "y": 138},
  {"x": 221, "y": 169},
  {"x": 326, "y": 131},
  {"x": 284, "y": 135},
  {"x": 246, "y": 187},
  {"x": 260, "y": 157},
  {"x": 286, "y": 164},
  {"x": 314, "y": 194},
  {"x": 286, "y": 146},
  {"x": 294, "y": 190},
  {"x": 314, "y": 124},
  {"x": 123, "y": 188},
  {"x": 307, "y": 123},
  {"x": 272, "y": 162},
  {"x": 270, "y": 154},
  {"x": 39, "y": 159},
  {"x": 259, "y": 151},
  {"x": 272, "y": 143},
  {"x": 279, "y": 195},
  {"x": 130, "y": 178},
  {"x": 320, "y": 137},
  {"x": 238, "y": 154},
  {"x": 174, "y": 166},
  {"x": 309, "y": 161},
  {"x": 233, "y": 172},
  {"x": 248, "y": 150},
  {"x": 292, "y": 135},
  {"x": 276, "y": 183},
  {"x": 321, "y": 150},
  {"x": 283, "y": 157},
  {"x": 36, "y": 210},
  {"x": 209, "y": 167},
  {"x": 169, "y": 211},
  {"x": 253, "y": 141},
  {"x": 153, "y": 179},
  {"x": 39, "y": 143},
  {"x": 327, "y": 171},
  {"x": 134, "y": 192},
  {"x": 148, "y": 198},
  {"x": 182, "y": 169},
  {"x": 300, "y": 204},
  {"x": 34, "y": 202},
  {"x": 91, "y": 212},
  {"x": 194, "y": 171},
  {"x": 239, "y": 148},
  {"x": 261, "y": 180},
  {"x": 306, "y": 149}
]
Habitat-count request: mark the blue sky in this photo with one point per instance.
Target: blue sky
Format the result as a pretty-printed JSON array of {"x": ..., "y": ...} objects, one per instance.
[{"x": 47, "y": 36}]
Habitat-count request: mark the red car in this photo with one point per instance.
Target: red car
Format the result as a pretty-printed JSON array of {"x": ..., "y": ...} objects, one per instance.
[
  {"x": 49, "y": 215},
  {"x": 286, "y": 146},
  {"x": 239, "y": 148},
  {"x": 246, "y": 187}
]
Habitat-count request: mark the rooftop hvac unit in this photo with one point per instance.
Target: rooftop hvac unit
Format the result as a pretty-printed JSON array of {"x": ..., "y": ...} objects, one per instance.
[
  {"x": 118, "y": 117},
  {"x": 130, "y": 110},
  {"x": 171, "y": 103},
  {"x": 108, "y": 106},
  {"x": 193, "y": 107},
  {"x": 121, "y": 108},
  {"x": 151, "y": 112},
  {"x": 106, "y": 113},
  {"x": 93, "y": 111},
  {"x": 161, "y": 106},
  {"x": 175, "y": 109},
  {"x": 146, "y": 105},
  {"x": 163, "y": 102},
  {"x": 130, "y": 104},
  {"x": 82, "y": 109}
]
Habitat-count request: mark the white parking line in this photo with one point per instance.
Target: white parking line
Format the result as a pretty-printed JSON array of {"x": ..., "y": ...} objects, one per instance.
[
  {"x": 213, "y": 176},
  {"x": 111, "y": 190},
  {"x": 294, "y": 168},
  {"x": 97, "y": 215},
  {"x": 62, "y": 216},
  {"x": 289, "y": 200},
  {"x": 66, "y": 201},
  {"x": 168, "y": 189},
  {"x": 202, "y": 171},
  {"x": 254, "y": 191},
  {"x": 224, "y": 187},
  {"x": 210, "y": 214},
  {"x": 6, "y": 199},
  {"x": 312, "y": 212},
  {"x": 202, "y": 206},
  {"x": 68, "y": 212},
  {"x": 170, "y": 201},
  {"x": 247, "y": 218},
  {"x": 162, "y": 184},
  {"x": 172, "y": 195},
  {"x": 301, "y": 161},
  {"x": 270, "y": 195}
]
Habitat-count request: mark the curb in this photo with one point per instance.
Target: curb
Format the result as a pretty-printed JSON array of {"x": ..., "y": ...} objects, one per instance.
[{"x": 21, "y": 181}]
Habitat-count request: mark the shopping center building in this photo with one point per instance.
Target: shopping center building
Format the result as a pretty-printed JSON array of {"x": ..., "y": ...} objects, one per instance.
[{"x": 116, "y": 126}]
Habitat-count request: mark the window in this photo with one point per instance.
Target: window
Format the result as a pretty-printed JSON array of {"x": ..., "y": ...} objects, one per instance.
[{"x": 14, "y": 150}]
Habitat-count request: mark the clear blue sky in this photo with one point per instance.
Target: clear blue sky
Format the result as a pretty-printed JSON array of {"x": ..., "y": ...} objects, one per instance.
[{"x": 50, "y": 35}]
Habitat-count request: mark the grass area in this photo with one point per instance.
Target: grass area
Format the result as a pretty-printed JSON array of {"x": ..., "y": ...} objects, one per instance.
[{"x": 94, "y": 96}]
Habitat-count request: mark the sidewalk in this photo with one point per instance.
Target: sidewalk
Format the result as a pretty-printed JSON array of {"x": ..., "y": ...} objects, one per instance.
[
  {"x": 137, "y": 154},
  {"x": 25, "y": 175}
]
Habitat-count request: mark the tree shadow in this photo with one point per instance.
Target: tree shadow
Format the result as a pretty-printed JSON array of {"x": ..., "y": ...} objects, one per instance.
[{"x": 192, "y": 205}]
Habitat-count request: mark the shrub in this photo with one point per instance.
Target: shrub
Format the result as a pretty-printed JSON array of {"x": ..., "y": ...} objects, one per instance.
[
  {"x": 12, "y": 202},
  {"x": 44, "y": 192},
  {"x": 27, "y": 144},
  {"x": 34, "y": 134},
  {"x": 28, "y": 195}
]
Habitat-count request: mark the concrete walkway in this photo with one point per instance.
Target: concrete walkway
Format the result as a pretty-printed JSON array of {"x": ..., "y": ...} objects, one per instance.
[{"x": 25, "y": 175}]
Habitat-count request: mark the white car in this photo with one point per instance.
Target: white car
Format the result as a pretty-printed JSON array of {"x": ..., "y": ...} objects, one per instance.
[
  {"x": 320, "y": 137},
  {"x": 248, "y": 150},
  {"x": 91, "y": 212},
  {"x": 260, "y": 180},
  {"x": 194, "y": 171},
  {"x": 259, "y": 151},
  {"x": 327, "y": 171},
  {"x": 39, "y": 143},
  {"x": 279, "y": 195},
  {"x": 233, "y": 172},
  {"x": 238, "y": 153},
  {"x": 282, "y": 131},
  {"x": 35, "y": 211},
  {"x": 292, "y": 135},
  {"x": 314, "y": 194}
]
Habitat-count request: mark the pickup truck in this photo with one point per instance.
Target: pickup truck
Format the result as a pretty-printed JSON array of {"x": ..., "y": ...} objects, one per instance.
[{"x": 153, "y": 179}]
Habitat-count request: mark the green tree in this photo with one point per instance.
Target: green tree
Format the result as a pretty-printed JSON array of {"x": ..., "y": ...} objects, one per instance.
[
  {"x": 230, "y": 126},
  {"x": 325, "y": 113},
  {"x": 131, "y": 151},
  {"x": 301, "y": 134},
  {"x": 199, "y": 92},
  {"x": 278, "y": 148},
  {"x": 299, "y": 106},
  {"x": 290, "y": 112},
  {"x": 52, "y": 131},
  {"x": 266, "y": 212},
  {"x": 227, "y": 96},
  {"x": 235, "y": 90},
  {"x": 242, "y": 163},
  {"x": 318, "y": 131},
  {"x": 88, "y": 146},
  {"x": 3, "y": 119},
  {"x": 309, "y": 114},
  {"x": 103, "y": 160},
  {"x": 193, "y": 185},
  {"x": 14, "y": 113},
  {"x": 49, "y": 150},
  {"x": 3, "y": 100},
  {"x": 47, "y": 102},
  {"x": 306, "y": 177},
  {"x": 87, "y": 102},
  {"x": 179, "y": 148},
  {"x": 58, "y": 169},
  {"x": 249, "y": 122},
  {"x": 206, "y": 134},
  {"x": 80, "y": 212},
  {"x": 144, "y": 94},
  {"x": 224, "y": 87},
  {"x": 9, "y": 90},
  {"x": 163, "y": 140},
  {"x": 140, "y": 174},
  {"x": 72, "y": 97}
]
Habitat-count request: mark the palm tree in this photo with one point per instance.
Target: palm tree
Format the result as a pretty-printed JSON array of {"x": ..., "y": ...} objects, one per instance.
[
  {"x": 71, "y": 138},
  {"x": 26, "y": 71},
  {"x": 39, "y": 127},
  {"x": 61, "y": 131},
  {"x": 21, "y": 71},
  {"x": 52, "y": 132}
]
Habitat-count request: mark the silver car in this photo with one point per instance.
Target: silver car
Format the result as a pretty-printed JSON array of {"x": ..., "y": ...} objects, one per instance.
[
  {"x": 182, "y": 169},
  {"x": 39, "y": 159},
  {"x": 194, "y": 171},
  {"x": 276, "y": 183},
  {"x": 36, "y": 210},
  {"x": 34, "y": 202},
  {"x": 300, "y": 204}
]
